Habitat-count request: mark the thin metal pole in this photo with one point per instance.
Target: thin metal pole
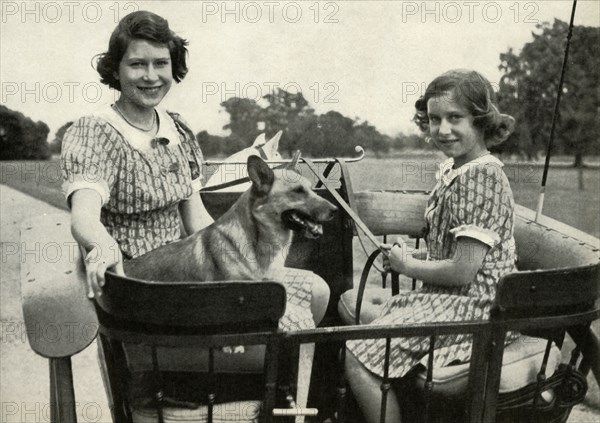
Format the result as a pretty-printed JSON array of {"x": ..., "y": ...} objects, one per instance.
[{"x": 540, "y": 204}]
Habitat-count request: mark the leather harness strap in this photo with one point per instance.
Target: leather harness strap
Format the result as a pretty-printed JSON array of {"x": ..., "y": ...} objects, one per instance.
[
  {"x": 225, "y": 185},
  {"x": 360, "y": 224},
  {"x": 261, "y": 152},
  {"x": 357, "y": 220}
]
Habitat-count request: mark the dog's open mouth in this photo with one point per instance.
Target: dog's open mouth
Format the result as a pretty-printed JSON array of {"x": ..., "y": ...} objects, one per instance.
[{"x": 301, "y": 222}]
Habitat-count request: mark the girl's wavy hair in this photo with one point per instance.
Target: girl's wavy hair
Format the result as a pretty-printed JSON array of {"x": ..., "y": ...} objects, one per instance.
[
  {"x": 141, "y": 25},
  {"x": 475, "y": 93}
]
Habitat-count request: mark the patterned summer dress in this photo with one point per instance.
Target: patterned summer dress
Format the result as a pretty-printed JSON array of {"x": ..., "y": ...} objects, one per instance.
[
  {"x": 141, "y": 182},
  {"x": 475, "y": 201}
]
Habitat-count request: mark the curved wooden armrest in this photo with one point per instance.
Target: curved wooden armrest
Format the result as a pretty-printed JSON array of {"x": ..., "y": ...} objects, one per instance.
[
  {"x": 59, "y": 319},
  {"x": 547, "y": 292}
]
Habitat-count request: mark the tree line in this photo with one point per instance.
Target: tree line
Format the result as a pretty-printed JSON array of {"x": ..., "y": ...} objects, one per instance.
[
  {"x": 21, "y": 138},
  {"x": 529, "y": 86},
  {"x": 527, "y": 90},
  {"x": 327, "y": 134}
]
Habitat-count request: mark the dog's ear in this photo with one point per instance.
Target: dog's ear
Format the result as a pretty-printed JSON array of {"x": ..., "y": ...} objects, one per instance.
[
  {"x": 260, "y": 140},
  {"x": 260, "y": 174},
  {"x": 274, "y": 142}
]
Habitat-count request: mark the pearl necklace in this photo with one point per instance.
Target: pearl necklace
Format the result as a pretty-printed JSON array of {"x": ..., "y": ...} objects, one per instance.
[{"x": 118, "y": 109}]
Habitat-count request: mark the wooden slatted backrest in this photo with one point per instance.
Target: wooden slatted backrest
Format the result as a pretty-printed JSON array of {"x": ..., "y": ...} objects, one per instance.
[
  {"x": 393, "y": 212},
  {"x": 190, "y": 307},
  {"x": 549, "y": 244},
  {"x": 175, "y": 314}
]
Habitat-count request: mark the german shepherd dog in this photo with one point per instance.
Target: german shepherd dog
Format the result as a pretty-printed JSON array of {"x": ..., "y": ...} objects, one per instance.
[{"x": 248, "y": 242}]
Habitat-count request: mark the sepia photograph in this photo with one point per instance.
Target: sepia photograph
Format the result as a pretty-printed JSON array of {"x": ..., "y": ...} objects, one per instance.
[{"x": 358, "y": 211}]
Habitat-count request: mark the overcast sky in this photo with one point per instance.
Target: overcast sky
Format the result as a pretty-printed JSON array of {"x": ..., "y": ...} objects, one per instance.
[{"x": 365, "y": 59}]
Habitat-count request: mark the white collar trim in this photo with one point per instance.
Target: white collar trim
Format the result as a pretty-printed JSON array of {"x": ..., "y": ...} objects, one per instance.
[
  {"x": 138, "y": 139},
  {"x": 447, "y": 173}
]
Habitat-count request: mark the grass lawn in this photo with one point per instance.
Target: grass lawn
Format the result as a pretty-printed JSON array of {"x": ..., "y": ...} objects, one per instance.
[
  {"x": 564, "y": 200},
  {"x": 40, "y": 179}
]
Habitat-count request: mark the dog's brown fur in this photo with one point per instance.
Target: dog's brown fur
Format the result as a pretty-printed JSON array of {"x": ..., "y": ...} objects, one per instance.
[{"x": 246, "y": 243}]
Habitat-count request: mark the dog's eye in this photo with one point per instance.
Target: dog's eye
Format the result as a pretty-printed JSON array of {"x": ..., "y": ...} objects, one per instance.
[{"x": 300, "y": 190}]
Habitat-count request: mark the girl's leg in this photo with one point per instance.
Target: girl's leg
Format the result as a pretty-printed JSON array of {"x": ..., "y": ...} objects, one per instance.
[
  {"x": 303, "y": 286},
  {"x": 320, "y": 299},
  {"x": 305, "y": 289},
  {"x": 366, "y": 388}
]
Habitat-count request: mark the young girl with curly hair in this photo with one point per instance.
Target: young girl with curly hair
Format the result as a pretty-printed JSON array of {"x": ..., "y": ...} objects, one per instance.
[{"x": 469, "y": 238}]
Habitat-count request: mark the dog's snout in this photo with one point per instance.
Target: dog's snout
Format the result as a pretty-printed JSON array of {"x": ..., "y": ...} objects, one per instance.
[{"x": 331, "y": 210}]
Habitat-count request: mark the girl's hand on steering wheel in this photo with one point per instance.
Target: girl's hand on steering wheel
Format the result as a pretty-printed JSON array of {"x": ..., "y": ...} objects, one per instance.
[
  {"x": 396, "y": 257},
  {"x": 97, "y": 262}
]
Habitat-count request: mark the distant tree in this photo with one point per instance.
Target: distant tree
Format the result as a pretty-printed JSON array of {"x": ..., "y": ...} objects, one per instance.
[
  {"x": 217, "y": 146},
  {"x": 210, "y": 144},
  {"x": 329, "y": 134},
  {"x": 302, "y": 132},
  {"x": 21, "y": 138},
  {"x": 410, "y": 142},
  {"x": 234, "y": 143},
  {"x": 368, "y": 137},
  {"x": 244, "y": 115},
  {"x": 11, "y": 132},
  {"x": 290, "y": 113},
  {"x": 337, "y": 135},
  {"x": 283, "y": 108},
  {"x": 529, "y": 87},
  {"x": 521, "y": 142},
  {"x": 56, "y": 144}
]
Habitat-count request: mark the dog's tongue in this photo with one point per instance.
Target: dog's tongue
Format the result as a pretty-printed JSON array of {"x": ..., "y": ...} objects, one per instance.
[{"x": 313, "y": 230}]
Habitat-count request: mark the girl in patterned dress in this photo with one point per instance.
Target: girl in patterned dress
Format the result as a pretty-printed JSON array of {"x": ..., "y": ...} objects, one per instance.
[
  {"x": 469, "y": 238},
  {"x": 132, "y": 171}
]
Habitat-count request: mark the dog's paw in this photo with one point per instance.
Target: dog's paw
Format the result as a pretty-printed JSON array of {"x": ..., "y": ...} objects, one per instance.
[{"x": 237, "y": 349}]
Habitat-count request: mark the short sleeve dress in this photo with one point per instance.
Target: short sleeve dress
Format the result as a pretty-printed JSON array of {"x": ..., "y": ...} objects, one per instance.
[
  {"x": 473, "y": 201},
  {"x": 141, "y": 182}
]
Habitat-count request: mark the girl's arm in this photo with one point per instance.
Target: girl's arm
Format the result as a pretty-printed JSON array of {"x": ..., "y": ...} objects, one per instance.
[
  {"x": 102, "y": 251},
  {"x": 194, "y": 215},
  {"x": 459, "y": 270}
]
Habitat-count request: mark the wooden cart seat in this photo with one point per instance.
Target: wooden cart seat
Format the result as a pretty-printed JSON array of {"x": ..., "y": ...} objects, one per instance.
[
  {"x": 239, "y": 412},
  {"x": 162, "y": 317},
  {"x": 558, "y": 274},
  {"x": 520, "y": 364}
]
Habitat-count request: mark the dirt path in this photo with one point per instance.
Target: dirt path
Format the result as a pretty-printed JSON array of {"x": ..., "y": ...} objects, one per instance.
[{"x": 24, "y": 381}]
